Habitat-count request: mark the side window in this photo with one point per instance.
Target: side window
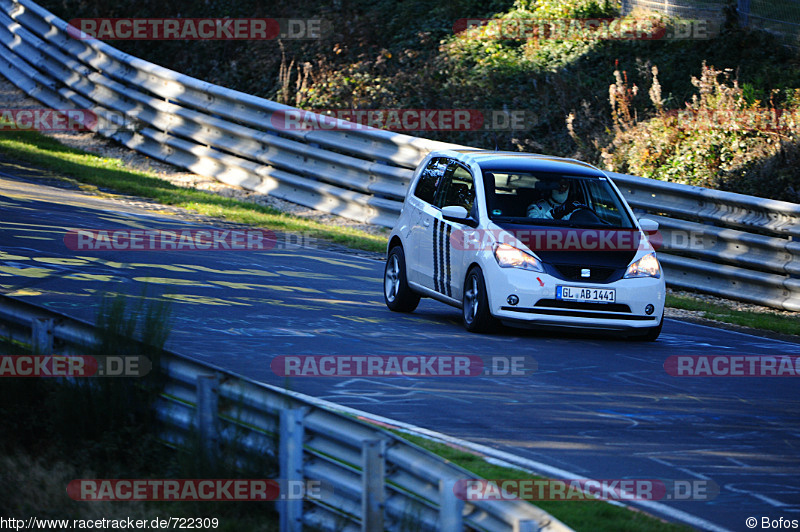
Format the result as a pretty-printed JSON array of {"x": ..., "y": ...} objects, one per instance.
[
  {"x": 458, "y": 188},
  {"x": 429, "y": 180}
]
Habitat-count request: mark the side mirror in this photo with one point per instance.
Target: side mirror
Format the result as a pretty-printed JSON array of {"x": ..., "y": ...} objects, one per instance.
[
  {"x": 454, "y": 213},
  {"x": 648, "y": 225}
]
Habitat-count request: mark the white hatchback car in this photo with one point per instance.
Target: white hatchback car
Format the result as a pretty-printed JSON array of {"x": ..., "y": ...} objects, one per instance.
[{"x": 527, "y": 240}]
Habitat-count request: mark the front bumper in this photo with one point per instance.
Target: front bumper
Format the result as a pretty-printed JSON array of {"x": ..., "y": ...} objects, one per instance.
[{"x": 538, "y": 305}]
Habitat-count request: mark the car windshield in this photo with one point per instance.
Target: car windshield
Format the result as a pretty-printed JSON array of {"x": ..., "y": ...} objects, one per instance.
[{"x": 553, "y": 199}]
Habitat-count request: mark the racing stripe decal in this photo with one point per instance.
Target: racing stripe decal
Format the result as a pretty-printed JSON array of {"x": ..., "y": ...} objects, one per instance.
[
  {"x": 441, "y": 257},
  {"x": 436, "y": 255}
]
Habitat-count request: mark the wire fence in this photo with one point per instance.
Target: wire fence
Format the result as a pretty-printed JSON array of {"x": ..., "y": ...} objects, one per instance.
[{"x": 779, "y": 17}]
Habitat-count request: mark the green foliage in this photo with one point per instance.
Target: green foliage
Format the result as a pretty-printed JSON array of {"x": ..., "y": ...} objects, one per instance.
[{"x": 569, "y": 9}]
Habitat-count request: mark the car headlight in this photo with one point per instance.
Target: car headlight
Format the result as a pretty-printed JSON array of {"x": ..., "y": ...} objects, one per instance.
[
  {"x": 511, "y": 257},
  {"x": 647, "y": 266}
]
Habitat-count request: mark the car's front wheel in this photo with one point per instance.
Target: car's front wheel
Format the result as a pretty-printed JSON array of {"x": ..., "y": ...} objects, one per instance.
[
  {"x": 650, "y": 334},
  {"x": 475, "y": 309},
  {"x": 396, "y": 292}
]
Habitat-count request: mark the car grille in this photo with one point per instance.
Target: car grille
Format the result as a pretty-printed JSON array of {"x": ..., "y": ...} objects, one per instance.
[
  {"x": 576, "y": 305},
  {"x": 571, "y": 272}
]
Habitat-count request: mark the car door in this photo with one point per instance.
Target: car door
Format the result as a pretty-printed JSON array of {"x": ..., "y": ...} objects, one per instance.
[
  {"x": 422, "y": 206},
  {"x": 447, "y": 262}
]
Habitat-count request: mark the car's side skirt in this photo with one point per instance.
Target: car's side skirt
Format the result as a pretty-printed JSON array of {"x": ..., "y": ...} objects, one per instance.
[{"x": 427, "y": 292}]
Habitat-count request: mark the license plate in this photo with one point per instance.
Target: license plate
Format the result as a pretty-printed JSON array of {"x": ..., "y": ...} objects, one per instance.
[{"x": 579, "y": 293}]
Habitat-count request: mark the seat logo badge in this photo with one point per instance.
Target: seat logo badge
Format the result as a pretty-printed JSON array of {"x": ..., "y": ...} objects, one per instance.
[{"x": 585, "y": 272}]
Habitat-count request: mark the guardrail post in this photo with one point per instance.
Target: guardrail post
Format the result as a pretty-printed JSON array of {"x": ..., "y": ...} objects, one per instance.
[
  {"x": 373, "y": 495},
  {"x": 451, "y": 511},
  {"x": 290, "y": 458},
  {"x": 42, "y": 336},
  {"x": 526, "y": 526},
  {"x": 207, "y": 410}
]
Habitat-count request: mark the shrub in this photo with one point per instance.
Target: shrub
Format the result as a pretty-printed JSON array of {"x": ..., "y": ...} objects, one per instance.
[{"x": 723, "y": 138}]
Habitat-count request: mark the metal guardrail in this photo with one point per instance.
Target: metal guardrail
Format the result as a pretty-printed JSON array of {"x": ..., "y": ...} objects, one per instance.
[
  {"x": 205, "y": 128},
  {"x": 746, "y": 247},
  {"x": 727, "y": 244},
  {"x": 371, "y": 479}
]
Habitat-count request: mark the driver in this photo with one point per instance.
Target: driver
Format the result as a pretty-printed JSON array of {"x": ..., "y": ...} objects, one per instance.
[{"x": 554, "y": 207}]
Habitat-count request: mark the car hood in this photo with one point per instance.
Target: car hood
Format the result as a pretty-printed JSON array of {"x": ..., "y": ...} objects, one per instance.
[{"x": 598, "y": 247}]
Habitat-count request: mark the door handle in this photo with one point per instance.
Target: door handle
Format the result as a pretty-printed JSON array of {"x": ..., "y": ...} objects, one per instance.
[{"x": 426, "y": 222}]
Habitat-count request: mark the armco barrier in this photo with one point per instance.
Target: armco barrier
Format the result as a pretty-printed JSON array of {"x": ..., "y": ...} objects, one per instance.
[
  {"x": 727, "y": 244},
  {"x": 208, "y": 129},
  {"x": 371, "y": 479},
  {"x": 746, "y": 247}
]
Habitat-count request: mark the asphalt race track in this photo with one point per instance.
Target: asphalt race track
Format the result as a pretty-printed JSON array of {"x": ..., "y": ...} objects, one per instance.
[{"x": 596, "y": 407}]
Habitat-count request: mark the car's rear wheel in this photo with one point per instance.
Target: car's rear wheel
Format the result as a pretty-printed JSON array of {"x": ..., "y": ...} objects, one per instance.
[
  {"x": 398, "y": 295},
  {"x": 475, "y": 309}
]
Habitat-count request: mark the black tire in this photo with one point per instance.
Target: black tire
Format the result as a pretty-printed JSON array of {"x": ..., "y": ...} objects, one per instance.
[
  {"x": 396, "y": 292},
  {"x": 651, "y": 333},
  {"x": 475, "y": 309}
]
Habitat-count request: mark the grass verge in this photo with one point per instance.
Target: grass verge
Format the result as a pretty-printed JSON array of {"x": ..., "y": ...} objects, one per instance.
[
  {"x": 586, "y": 515},
  {"x": 767, "y": 321},
  {"x": 109, "y": 173}
]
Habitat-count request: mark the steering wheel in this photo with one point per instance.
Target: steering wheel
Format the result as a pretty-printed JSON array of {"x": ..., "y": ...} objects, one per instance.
[{"x": 586, "y": 215}]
